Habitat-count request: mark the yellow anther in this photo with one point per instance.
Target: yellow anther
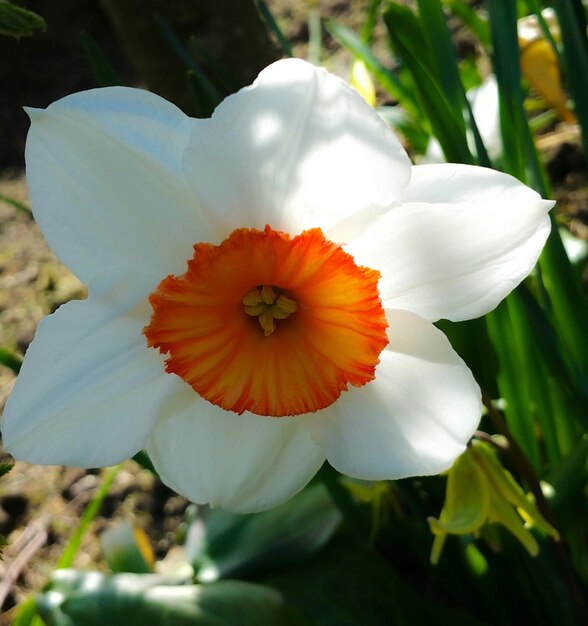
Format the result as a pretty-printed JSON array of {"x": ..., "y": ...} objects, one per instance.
[
  {"x": 278, "y": 313},
  {"x": 253, "y": 298},
  {"x": 268, "y": 304},
  {"x": 286, "y": 304},
  {"x": 256, "y": 309},
  {"x": 268, "y": 295},
  {"x": 266, "y": 320}
]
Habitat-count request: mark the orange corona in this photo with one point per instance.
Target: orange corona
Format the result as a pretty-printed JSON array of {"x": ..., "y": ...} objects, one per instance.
[{"x": 269, "y": 323}]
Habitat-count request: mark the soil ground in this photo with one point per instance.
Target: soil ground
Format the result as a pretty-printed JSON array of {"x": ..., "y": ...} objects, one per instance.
[{"x": 40, "y": 507}]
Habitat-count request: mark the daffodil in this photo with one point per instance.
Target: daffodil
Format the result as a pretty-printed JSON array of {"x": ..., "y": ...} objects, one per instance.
[
  {"x": 480, "y": 492},
  {"x": 262, "y": 287}
]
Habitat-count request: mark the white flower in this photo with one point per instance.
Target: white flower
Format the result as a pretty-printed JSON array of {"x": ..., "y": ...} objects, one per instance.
[{"x": 275, "y": 320}]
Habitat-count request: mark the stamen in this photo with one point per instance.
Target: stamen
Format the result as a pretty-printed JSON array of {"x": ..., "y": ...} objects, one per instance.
[
  {"x": 268, "y": 295},
  {"x": 268, "y": 303}
]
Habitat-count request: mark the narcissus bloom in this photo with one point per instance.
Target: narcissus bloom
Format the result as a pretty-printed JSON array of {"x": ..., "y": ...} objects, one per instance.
[{"x": 262, "y": 287}]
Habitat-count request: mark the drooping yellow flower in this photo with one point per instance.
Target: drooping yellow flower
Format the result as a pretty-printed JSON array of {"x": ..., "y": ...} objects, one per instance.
[{"x": 479, "y": 492}]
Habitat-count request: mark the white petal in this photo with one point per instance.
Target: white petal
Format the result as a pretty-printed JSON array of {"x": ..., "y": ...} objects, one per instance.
[
  {"x": 414, "y": 419},
  {"x": 89, "y": 390},
  {"x": 456, "y": 184},
  {"x": 103, "y": 169},
  {"x": 473, "y": 236},
  {"x": 297, "y": 149},
  {"x": 243, "y": 463}
]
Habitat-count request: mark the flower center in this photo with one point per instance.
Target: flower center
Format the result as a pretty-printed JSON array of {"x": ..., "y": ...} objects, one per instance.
[
  {"x": 268, "y": 303},
  {"x": 320, "y": 323}
]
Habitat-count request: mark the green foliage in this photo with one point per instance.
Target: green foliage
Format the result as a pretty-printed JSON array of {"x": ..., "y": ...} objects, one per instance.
[
  {"x": 229, "y": 545},
  {"x": 94, "y": 599},
  {"x": 104, "y": 72},
  {"x": 205, "y": 92},
  {"x": 90, "y": 513},
  {"x": 18, "y": 22},
  {"x": 274, "y": 27},
  {"x": 19, "y": 206},
  {"x": 410, "y": 42},
  {"x": 349, "y": 584}
]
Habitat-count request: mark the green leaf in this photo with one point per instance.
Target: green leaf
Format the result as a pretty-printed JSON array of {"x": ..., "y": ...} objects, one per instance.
[
  {"x": 410, "y": 44},
  {"x": 26, "y": 614},
  {"x": 371, "y": 20},
  {"x": 388, "y": 79},
  {"x": 441, "y": 51},
  {"x": 5, "y": 467},
  {"x": 315, "y": 38},
  {"x": 142, "y": 458},
  {"x": 95, "y": 599},
  {"x": 572, "y": 22},
  {"x": 347, "y": 584},
  {"x": 205, "y": 92},
  {"x": 89, "y": 514},
  {"x": 18, "y": 22},
  {"x": 19, "y": 206},
  {"x": 471, "y": 19},
  {"x": 513, "y": 387},
  {"x": 10, "y": 359},
  {"x": 273, "y": 26},
  {"x": 571, "y": 476},
  {"x": 228, "y": 544},
  {"x": 104, "y": 72},
  {"x": 219, "y": 71}
]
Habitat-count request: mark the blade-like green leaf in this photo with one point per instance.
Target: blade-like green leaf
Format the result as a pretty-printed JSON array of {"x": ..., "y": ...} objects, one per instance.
[
  {"x": 207, "y": 95},
  {"x": 569, "y": 478},
  {"x": 228, "y": 80},
  {"x": 89, "y": 514},
  {"x": 513, "y": 388},
  {"x": 95, "y": 599},
  {"x": 471, "y": 19},
  {"x": 26, "y": 614},
  {"x": 5, "y": 467},
  {"x": 274, "y": 27},
  {"x": 572, "y": 22},
  {"x": 442, "y": 53},
  {"x": 389, "y": 81},
  {"x": 234, "y": 545},
  {"x": 347, "y": 585},
  {"x": 104, "y": 72},
  {"x": 10, "y": 359},
  {"x": 19, "y": 206},
  {"x": 315, "y": 37},
  {"x": 409, "y": 43},
  {"x": 18, "y": 22},
  {"x": 370, "y": 21}
]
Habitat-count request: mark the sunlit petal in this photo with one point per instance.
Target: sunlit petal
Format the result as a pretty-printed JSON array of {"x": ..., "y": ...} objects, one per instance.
[
  {"x": 464, "y": 239},
  {"x": 89, "y": 391},
  {"x": 298, "y": 149},
  {"x": 417, "y": 415},
  {"x": 243, "y": 463},
  {"x": 103, "y": 170}
]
